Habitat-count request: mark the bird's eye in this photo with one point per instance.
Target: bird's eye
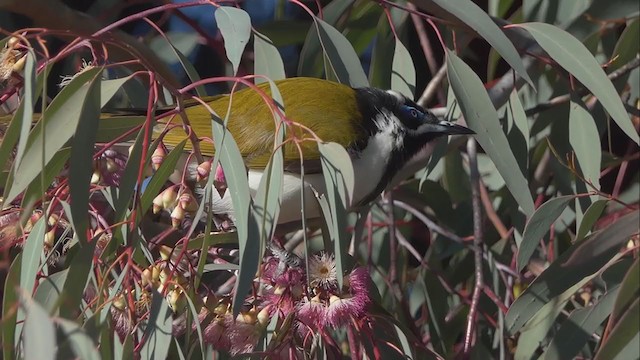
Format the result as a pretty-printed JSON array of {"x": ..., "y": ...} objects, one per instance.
[{"x": 412, "y": 112}]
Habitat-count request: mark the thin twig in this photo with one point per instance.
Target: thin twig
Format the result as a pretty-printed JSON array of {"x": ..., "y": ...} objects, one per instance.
[
  {"x": 562, "y": 99},
  {"x": 425, "y": 220},
  {"x": 431, "y": 61},
  {"x": 433, "y": 87},
  {"x": 478, "y": 245},
  {"x": 393, "y": 241}
]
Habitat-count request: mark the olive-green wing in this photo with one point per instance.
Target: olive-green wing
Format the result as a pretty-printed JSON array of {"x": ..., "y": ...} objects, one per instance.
[{"x": 327, "y": 109}]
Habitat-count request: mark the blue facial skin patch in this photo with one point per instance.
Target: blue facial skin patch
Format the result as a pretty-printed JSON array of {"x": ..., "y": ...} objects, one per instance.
[{"x": 412, "y": 112}]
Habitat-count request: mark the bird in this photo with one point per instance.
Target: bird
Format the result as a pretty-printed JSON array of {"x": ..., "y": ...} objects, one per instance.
[{"x": 387, "y": 135}]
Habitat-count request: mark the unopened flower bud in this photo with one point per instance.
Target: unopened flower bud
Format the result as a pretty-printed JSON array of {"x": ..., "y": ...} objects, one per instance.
[
  {"x": 158, "y": 157},
  {"x": 187, "y": 201},
  {"x": 169, "y": 198},
  {"x": 263, "y": 316},
  {"x": 50, "y": 238},
  {"x": 219, "y": 181},
  {"x": 158, "y": 204},
  {"x": 165, "y": 252},
  {"x": 202, "y": 171},
  {"x": 96, "y": 177},
  {"x": 111, "y": 165},
  {"x": 177, "y": 215}
]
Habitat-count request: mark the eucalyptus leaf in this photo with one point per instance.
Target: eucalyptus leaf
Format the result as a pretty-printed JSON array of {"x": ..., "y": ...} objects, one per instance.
[
  {"x": 539, "y": 225},
  {"x": 403, "y": 76},
  {"x": 581, "y": 260},
  {"x": 268, "y": 61},
  {"x": 235, "y": 27},
  {"x": 472, "y": 15},
  {"x": 482, "y": 118},
  {"x": 39, "y": 335},
  {"x": 574, "y": 57}
]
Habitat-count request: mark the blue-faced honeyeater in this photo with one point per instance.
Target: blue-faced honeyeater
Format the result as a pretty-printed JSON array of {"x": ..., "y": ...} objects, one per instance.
[{"x": 387, "y": 136}]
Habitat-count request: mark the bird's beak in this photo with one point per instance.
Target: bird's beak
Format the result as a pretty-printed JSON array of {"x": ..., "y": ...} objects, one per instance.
[{"x": 450, "y": 128}]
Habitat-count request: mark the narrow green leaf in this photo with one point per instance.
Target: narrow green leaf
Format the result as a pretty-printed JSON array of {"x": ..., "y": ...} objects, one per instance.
[
  {"x": 343, "y": 62},
  {"x": 628, "y": 45},
  {"x": 113, "y": 291},
  {"x": 80, "y": 341},
  {"x": 583, "y": 134},
  {"x": 31, "y": 254},
  {"x": 109, "y": 88},
  {"x": 12, "y": 133},
  {"x": 39, "y": 333},
  {"x": 26, "y": 107},
  {"x": 34, "y": 191},
  {"x": 81, "y": 161},
  {"x": 590, "y": 217},
  {"x": 538, "y": 226},
  {"x": 79, "y": 270},
  {"x": 576, "y": 330},
  {"x": 403, "y": 76},
  {"x": 180, "y": 43},
  {"x": 167, "y": 168},
  {"x": 629, "y": 289},
  {"x": 158, "y": 330},
  {"x": 267, "y": 198},
  {"x": 268, "y": 61},
  {"x": 49, "y": 290},
  {"x": 60, "y": 122},
  {"x": 574, "y": 57},
  {"x": 581, "y": 260},
  {"x": 472, "y": 15},
  {"x": 482, "y": 118},
  {"x": 311, "y": 55},
  {"x": 245, "y": 221},
  {"x": 235, "y": 27},
  {"x": 338, "y": 175},
  {"x": 622, "y": 342},
  {"x": 518, "y": 133},
  {"x": 10, "y": 299},
  {"x": 536, "y": 329}
]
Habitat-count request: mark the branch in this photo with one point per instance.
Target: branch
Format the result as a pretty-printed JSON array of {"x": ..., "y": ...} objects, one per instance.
[
  {"x": 623, "y": 70},
  {"x": 478, "y": 245}
]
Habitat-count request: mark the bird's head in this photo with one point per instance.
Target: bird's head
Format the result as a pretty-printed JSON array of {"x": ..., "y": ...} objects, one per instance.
[{"x": 401, "y": 135}]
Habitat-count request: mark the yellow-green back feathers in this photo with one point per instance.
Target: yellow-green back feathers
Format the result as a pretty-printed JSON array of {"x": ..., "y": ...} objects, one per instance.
[{"x": 328, "y": 109}]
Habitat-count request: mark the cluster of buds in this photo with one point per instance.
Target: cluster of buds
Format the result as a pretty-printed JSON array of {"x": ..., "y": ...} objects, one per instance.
[
  {"x": 223, "y": 332},
  {"x": 108, "y": 168},
  {"x": 12, "y": 58},
  {"x": 179, "y": 202}
]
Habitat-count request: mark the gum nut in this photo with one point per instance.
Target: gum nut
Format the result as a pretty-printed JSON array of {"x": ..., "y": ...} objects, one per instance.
[
  {"x": 177, "y": 215},
  {"x": 50, "y": 238},
  {"x": 111, "y": 165},
  {"x": 95, "y": 177},
  {"x": 263, "y": 315},
  {"x": 19, "y": 65},
  {"x": 169, "y": 197},
  {"x": 158, "y": 157},
  {"x": 165, "y": 252},
  {"x": 53, "y": 219},
  {"x": 158, "y": 204},
  {"x": 203, "y": 170},
  {"x": 219, "y": 177},
  {"x": 147, "y": 277},
  {"x": 119, "y": 302},
  {"x": 12, "y": 42},
  {"x": 187, "y": 202}
]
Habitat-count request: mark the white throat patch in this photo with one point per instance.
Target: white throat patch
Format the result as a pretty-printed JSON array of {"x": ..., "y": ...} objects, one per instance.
[{"x": 372, "y": 162}]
